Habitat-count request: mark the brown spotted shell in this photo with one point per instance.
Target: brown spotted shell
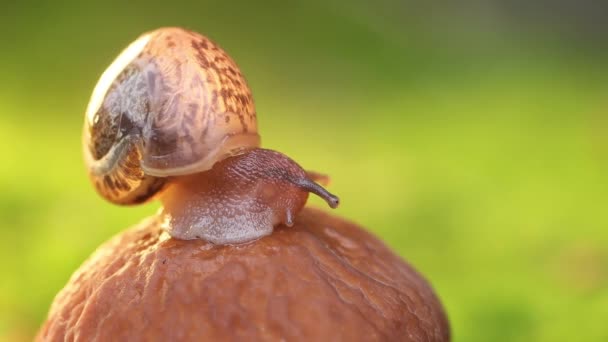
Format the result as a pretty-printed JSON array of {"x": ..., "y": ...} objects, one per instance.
[{"x": 172, "y": 103}]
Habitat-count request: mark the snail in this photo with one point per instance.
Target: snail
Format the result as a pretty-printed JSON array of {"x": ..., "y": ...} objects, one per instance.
[{"x": 173, "y": 118}]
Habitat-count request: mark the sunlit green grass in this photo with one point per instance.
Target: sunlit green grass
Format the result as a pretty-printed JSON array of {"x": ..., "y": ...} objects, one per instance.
[
  {"x": 495, "y": 190},
  {"x": 486, "y": 170}
]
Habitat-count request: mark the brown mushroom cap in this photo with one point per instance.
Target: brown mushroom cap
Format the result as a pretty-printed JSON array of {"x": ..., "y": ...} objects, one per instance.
[{"x": 322, "y": 279}]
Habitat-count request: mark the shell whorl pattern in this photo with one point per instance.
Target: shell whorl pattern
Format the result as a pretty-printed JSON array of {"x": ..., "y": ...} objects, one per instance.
[{"x": 172, "y": 103}]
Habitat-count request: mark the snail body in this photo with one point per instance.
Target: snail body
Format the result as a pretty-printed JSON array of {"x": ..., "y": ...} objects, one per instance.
[
  {"x": 173, "y": 118},
  {"x": 240, "y": 199}
]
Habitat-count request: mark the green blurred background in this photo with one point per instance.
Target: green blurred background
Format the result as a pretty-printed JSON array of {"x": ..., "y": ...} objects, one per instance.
[{"x": 472, "y": 138}]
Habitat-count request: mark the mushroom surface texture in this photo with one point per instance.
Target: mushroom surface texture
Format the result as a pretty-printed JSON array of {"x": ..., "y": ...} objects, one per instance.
[{"x": 323, "y": 279}]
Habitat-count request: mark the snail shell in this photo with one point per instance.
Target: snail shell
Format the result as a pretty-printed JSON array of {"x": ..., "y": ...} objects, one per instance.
[{"x": 172, "y": 103}]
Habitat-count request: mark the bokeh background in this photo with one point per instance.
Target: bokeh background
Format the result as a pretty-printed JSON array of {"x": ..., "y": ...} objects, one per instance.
[{"x": 472, "y": 138}]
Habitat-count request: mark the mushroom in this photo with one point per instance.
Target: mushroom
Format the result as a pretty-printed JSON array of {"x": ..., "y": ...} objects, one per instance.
[{"x": 324, "y": 279}]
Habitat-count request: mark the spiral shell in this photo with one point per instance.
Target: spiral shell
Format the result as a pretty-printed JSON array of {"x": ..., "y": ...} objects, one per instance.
[{"x": 172, "y": 103}]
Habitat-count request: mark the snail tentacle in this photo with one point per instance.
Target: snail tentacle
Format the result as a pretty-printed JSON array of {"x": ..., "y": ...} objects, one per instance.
[{"x": 309, "y": 185}]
